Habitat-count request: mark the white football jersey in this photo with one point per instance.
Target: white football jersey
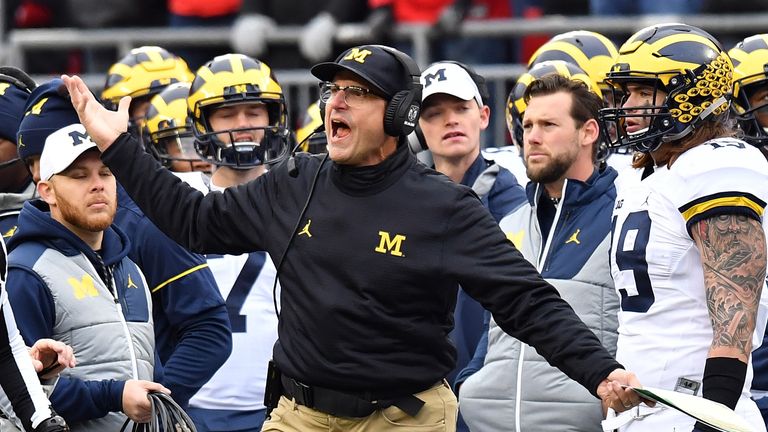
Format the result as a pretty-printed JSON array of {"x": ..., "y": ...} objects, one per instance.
[
  {"x": 664, "y": 327},
  {"x": 620, "y": 161},
  {"x": 508, "y": 157},
  {"x": 246, "y": 282}
]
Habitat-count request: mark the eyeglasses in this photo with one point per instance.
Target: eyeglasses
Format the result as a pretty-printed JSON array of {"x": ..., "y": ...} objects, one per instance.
[{"x": 353, "y": 95}]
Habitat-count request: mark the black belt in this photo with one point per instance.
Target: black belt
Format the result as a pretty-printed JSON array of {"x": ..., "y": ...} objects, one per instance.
[{"x": 342, "y": 404}]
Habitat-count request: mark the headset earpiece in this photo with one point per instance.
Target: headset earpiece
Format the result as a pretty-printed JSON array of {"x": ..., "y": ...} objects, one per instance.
[{"x": 402, "y": 113}]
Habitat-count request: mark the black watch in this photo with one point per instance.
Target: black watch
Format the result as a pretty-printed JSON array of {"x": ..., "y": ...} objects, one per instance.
[{"x": 53, "y": 424}]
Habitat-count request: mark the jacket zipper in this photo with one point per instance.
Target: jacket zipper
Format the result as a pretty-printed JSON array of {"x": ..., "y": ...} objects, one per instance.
[
  {"x": 540, "y": 265},
  {"x": 107, "y": 275}
]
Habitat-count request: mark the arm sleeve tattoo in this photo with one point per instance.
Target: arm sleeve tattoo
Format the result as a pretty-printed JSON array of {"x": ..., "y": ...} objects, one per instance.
[{"x": 733, "y": 254}]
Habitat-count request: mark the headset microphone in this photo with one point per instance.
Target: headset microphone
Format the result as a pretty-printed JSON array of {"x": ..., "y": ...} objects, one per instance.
[{"x": 293, "y": 170}]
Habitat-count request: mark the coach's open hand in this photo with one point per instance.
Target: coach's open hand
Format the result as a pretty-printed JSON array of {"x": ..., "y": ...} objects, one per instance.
[{"x": 103, "y": 125}]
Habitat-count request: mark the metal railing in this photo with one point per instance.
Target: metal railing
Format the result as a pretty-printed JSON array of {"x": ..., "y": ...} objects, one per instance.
[{"x": 302, "y": 85}]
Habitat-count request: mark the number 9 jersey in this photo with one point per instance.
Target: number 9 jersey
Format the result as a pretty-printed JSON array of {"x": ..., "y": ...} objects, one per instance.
[{"x": 664, "y": 327}]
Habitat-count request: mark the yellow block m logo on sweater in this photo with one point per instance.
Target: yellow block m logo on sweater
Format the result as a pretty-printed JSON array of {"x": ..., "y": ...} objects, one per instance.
[
  {"x": 83, "y": 287},
  {"x": 390, "y": 245}
]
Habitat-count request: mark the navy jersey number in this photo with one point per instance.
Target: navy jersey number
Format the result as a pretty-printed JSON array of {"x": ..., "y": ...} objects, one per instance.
[
  {"x": 242, "y": 287},
  {"x": 639, "y": 224}
]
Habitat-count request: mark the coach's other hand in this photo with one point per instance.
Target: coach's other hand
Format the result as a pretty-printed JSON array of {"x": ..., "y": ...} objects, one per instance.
[{"x": 616, "y": 395}]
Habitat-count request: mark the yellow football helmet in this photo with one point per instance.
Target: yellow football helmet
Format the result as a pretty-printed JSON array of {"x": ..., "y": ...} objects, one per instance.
[
  {"x": 168, "y": 130},
  {"x": 311, "y": 142},
  {"x": 750, "y": 73},
  {"x": 591, "y": 51},
  {"x": 683, "y": 61},
  {"x": 235, "y": 79},
  {"x": 516, "y": 104},
  {"x": 145, "y": 71}
]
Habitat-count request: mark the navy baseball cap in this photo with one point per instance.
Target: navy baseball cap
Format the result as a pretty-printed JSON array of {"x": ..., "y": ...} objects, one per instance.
[
  {"x": 373, "y": 64},
  {"x": 47, "y": 110}
]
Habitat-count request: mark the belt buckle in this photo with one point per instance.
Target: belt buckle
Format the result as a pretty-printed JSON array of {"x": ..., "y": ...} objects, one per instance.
[{"x": 304, "y": 394}]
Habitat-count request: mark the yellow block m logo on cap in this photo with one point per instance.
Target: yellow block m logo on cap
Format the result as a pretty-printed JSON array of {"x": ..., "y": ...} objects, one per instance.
[
  {"x": 37, "y": 108},
  {"x": 83, "y": 287},
  {"x": 357, "y": 55},
  {"x": 390, "y": 245}
]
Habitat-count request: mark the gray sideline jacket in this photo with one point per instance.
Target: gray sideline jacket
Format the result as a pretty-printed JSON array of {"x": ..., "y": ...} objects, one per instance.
[{"x": 516, "y": 389}]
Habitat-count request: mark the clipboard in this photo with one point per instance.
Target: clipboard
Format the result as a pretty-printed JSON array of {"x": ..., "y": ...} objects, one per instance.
[{"x": 713, "y": 414}]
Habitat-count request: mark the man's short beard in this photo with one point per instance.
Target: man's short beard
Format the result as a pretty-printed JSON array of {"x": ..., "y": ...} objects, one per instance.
[
  {"x": 553, "y": 171},
  {"x": 71, "y": 215}
]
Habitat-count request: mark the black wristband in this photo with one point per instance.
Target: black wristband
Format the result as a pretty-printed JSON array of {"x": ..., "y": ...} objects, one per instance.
[{"x": 723, "y": 380}]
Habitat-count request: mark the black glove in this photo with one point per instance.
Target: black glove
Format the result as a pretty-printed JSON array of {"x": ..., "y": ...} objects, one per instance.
[
  {"x": 379, "y": 21},
  {"x": 53, "y": 424}
]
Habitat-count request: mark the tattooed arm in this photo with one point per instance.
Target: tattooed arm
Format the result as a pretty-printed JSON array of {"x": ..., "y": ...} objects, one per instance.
[{"x": 733, "y": 254}]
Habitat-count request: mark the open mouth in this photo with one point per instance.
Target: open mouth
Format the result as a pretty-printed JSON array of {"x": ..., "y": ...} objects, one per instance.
[{"x": 339, "y": 129}]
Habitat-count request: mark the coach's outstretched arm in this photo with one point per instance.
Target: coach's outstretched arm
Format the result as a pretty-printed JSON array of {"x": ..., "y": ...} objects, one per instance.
[{"x": 215, "y": 223}]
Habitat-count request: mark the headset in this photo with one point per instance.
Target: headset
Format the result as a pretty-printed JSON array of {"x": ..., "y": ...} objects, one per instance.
[
  {"x": 416, "y": 140},
  {"x": 17, "y": 77}
]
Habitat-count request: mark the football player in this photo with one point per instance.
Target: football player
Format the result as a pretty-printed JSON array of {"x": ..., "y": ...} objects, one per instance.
[
  {"x": 688, "y": 254},
  {"x": 238, "y": 113},
  {"x": 141, "y": 74},
  {"x": 750, "y": 107},
  {"x": 750, "y": 88},
  {"x": 168, "y": 130}
]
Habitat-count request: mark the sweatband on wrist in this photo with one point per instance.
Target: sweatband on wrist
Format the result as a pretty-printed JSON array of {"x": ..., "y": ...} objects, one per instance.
[{"x": 724, "y": 380}]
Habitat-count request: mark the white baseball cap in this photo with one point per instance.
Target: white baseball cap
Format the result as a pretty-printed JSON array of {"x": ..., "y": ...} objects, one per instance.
[
  {"x": 62, "y": 148},
  {"x": 449, "y": 78}
]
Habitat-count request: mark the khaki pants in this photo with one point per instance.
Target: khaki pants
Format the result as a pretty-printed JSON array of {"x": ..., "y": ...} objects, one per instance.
[{"x": 437, "y": 415}]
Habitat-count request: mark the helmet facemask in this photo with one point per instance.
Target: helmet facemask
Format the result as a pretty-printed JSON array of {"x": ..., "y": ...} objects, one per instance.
[
  {"x": 269, "y": 144},
  {"x": 177, "y": 146},
  {"x": 746, "y": 112},
  {"x": 225, "y": 83},
  {"x": 684, "y": 64}
]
